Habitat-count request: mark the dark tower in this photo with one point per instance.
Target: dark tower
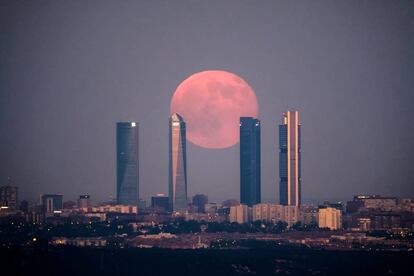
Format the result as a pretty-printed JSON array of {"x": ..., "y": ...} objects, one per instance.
[
  {"x": 127, "y": 163},
  {"x": 249, "y": 161}
]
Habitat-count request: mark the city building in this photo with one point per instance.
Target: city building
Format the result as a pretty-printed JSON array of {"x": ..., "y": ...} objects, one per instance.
[
  {"x": 9, "y": 198},
  {"x": 250, "y": 193},
  {"x": 122, "y": 209},
  {"x": 290, "y": 159},
  {"x": 51, "y": 203},
  {"x": 200, "y": 201},
  {"x": 84, "y": 202},
  {"x": 275, "y": 212},
  {"x": 127, "y": 163},
  {"x": 159, "y": 203},
  {"x": 177, "y": 164},
  {"x": 240, "y": 213},
  {"x": 330, "y": 218},
  {"x": 308, "y": 214},
  {"x": 376, "y": 202}
]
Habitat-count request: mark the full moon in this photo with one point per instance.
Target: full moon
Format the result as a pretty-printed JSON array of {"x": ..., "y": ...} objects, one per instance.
[{"x": 211, "y": 103}]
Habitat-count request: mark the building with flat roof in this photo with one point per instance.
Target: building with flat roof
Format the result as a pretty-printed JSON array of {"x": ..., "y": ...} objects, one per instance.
[
  {"x": 290, "y": 183},
  {"x": 330, "y": 218},
  {"x": 127, "y": 163},
  {"x": 250, "y": 190},
  {"x": 9, "y": 198}
]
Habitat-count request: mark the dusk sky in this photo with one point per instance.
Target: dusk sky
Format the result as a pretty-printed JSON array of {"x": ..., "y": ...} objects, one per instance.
[{"x": 69, "y": 70}]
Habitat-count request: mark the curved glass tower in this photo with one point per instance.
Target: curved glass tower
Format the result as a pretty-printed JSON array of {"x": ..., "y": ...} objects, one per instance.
[
  {"x": 127, "y": 163},
  {"x": 177, "y": 164}
]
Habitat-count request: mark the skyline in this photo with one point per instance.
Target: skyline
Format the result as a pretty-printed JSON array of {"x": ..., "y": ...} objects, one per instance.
[{"x": 70, "y": 71}]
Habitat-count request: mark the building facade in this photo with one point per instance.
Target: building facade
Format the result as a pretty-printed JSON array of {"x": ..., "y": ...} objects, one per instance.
[
  {"x": 51, "y": 203},
  {"x": 330, "y": 218},
  {"x": 84, "y": 202},
  {"x": 250, "y": 191},
  {"x": 177, "y": 164},
  {"x": 290, "y": 159},
  {"x": 200, "y": 201},
  {"x": 127, "y": 163},
  {"x": 9, "y": 197},
  {"x": 240, "y": 213},
  {"x": 159, "y": 203},
  {"x": 275, "y": 212}
]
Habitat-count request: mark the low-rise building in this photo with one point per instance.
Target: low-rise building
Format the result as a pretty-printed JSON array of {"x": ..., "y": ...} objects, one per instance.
[
  {"x": 330, "y": 218},
  {"x": 240, "y": 213}
]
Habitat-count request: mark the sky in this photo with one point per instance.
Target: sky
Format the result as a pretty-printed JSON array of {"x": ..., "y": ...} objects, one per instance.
[{"x": 69, "y": 70}]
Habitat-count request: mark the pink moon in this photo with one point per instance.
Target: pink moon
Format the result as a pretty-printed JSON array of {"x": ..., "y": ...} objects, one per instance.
[{"x": 211, "y": 103}]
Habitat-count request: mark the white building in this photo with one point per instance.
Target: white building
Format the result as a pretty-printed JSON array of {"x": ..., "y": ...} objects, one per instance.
[
  {"x": 330, "y": 218},
  {"x": 275, "y": 212},
  {"x": 124, "y": 209}
]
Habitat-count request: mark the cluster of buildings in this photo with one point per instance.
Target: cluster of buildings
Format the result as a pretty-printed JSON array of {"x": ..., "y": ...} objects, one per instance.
[
  {"x": 362, "y": 213},
  {"x": 250, "y": 163}
]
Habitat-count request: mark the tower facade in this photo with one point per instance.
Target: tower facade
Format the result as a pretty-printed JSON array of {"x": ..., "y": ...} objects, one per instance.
[
  {"x": 177, "y": 187},
  {"x": 290, "y": 159},
  {"x": 127, "y": 163},
  {"x": 250, "y": 161}
]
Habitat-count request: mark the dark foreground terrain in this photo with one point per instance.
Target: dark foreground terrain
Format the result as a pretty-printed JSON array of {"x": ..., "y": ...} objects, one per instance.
[{"x": 283, "y": 260}]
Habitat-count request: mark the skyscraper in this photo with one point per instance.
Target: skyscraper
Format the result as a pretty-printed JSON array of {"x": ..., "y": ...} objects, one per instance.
[
  {"x": 8, "y": 197},
  {"x": 249, "y": 161},
  {"x": 51, "y": 203},
  {"x": 177, "y": 164},
  {"x": 289, "y": 159},
  {"x": 127, "y": 163}
]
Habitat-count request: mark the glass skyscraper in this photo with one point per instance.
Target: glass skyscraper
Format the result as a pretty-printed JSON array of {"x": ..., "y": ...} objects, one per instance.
[
  {"x": 289, "y": 159},
  {"x": 249, "y": 161},
  {"x": 127, "y": 163},
  {"x": 177, "y": 164}
]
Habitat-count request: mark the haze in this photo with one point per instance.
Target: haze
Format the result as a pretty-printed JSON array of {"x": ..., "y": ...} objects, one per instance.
[{"x": 69, "y": 70}]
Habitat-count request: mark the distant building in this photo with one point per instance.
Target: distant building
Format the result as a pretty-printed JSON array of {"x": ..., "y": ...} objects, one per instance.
[
  {"x": 200, "y": 202},
  {"x": 275, "y": 212},
  {"x": 123, "y": 209},
  {"x": 51, "y": 203},
  {"x": 159, "y": 203},
  {"x": 240, "y": 214},
  {"x": 9, "y": 198},
  {"x": 84, "y": 202},
  {"x": 308, "y": 214},
  {"x": 127, "y": 163},
  {"x": 211, "y": 207},
  {"x": 250, "y": 193},
  {"x": 177, "y": 164},
  {"x": 290, "y": 184},
  {"x": 377, "y": 202},
  {"x": 330, "y": 218}
]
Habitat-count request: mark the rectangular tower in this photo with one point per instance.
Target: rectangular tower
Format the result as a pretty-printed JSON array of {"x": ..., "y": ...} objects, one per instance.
[
  {"x": 289, "y": 159},
  {"x": 177, "y": 164},
  {"x": 249, "y": 161},
  {"x": 8, "y": 197},
  {"x": 127, "y": 163}
]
